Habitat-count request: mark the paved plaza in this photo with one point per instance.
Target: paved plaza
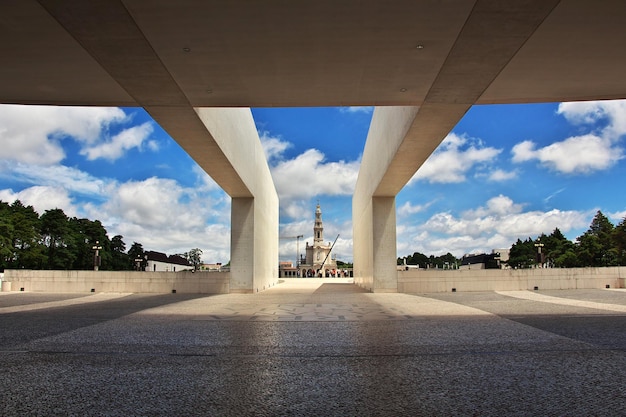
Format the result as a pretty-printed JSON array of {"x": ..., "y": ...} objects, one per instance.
[{"x": 314, "y": 347}]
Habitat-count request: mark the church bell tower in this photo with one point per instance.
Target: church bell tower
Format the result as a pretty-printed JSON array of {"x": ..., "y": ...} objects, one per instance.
[{"x": 318, "y": 228}]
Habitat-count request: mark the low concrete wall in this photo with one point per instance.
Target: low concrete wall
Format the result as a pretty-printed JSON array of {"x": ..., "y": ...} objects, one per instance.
[
  {"x": 433, "y": 280},
  {"x": 122, "y": 281}
]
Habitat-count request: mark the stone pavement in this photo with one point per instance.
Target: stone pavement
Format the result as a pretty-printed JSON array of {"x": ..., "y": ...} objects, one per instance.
[{"x": 314, "y": 347}]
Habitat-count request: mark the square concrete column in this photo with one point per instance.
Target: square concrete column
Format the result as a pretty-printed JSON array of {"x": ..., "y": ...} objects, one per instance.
[
  {"x": 253, "y": 246},
  {"x": 375, "y": 245},
  {"x": 384, "y": 244},
  {"x": 242, "y": 245}
]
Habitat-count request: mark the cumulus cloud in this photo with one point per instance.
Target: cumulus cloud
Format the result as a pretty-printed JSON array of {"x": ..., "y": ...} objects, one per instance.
[
  {"x": 582, "y": 154},
  {"x": 273, "y": 146},
  {"x": 496, "y": 224},
  {"x": 309, "y": 173},
  {"x": 42, "y": 198},
  {"x": 56, "y": 176},
  {"x": 575, "y": 155},
  {"x": 453, "y": 159},
  {"x": 33, "y": 134},
  {"x": 158, "y": 213},
  {"x": 163, "y": 215},
  {"x": 613, "y": 112},
  {"x": 115, "y": 147}
]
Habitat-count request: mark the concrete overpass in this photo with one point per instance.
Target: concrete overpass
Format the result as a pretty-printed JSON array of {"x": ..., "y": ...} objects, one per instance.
[{"x": 197, "y": 67}]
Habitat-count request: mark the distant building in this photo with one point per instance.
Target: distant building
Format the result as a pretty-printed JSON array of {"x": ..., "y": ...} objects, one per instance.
[
  {"x": 216, "y": 267},
  {"x": 503, "y": 255},
  {"x": 287, "y": 270},
  {"x": 160, "y": 262},
  {"x": 480, "y": 261},
  {"x": 318, "y": 260}
]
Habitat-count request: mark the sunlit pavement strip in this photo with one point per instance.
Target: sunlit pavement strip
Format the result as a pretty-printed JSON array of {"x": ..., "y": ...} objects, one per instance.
[
  {"x": 63, "y": 303},
  {"x": 303, "y": 303},
  {"x": 533, "y": 296}
]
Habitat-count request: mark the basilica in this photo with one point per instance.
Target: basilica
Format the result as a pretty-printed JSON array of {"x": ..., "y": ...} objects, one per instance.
[{"x": 317, "y": 261}]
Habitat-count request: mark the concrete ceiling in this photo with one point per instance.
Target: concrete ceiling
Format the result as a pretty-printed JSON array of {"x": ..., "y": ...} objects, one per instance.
[{"x": 304, "y": 53}]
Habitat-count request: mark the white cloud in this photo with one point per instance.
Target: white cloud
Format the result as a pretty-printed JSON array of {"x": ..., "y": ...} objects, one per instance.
[
  {"x": 575, "y": 155},
  {"x": 308, "y": 174},
  {"x": 158, "y": 213},
  {"x": 408, "y": 209},
  {"x": 592, "y": 112},
  {"x": 56, "y": 176},
  {"x": 31, "y": 134},
  {"x": 617, "y": 217},
  {"x": 453, "y": 159},
  {"x": 497, "y": 224},
  {"x": 42, "y": 198},
  {"x": 162, "y": 215},
  {"x": 585, "y": 153},
  {"x": 499, "y": 175},
  {"x": 115, "y": 147},
  {"x": 357, "y": 109},
  {"x": 273, "y": 146}
]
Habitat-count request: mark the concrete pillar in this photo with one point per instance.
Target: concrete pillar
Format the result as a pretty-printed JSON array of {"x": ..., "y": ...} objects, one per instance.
[
  {"x": 254, "y": 211},
  {"x": 384, "y": 244},
  {"x": 374, "y": 215},
  {"x": 242, "y": 245}
]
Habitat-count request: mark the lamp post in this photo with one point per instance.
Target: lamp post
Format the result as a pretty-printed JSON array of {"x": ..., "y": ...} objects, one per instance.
[
  {"x": 96, "y": 257},
  {"x": 298, "y": 252},
  {"x": 138, "y": 262},
  {"x": 539, "y": 245}
]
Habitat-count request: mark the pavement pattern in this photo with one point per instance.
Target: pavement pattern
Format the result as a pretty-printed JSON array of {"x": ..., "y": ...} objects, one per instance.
[{"x": 311, "y": 347}]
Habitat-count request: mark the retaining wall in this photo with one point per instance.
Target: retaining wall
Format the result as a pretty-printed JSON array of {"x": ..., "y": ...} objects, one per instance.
[
  {"x": 118, "y": 281},
  {"x": 437, "y": 280},
  {"x": 412, "y": 281}
]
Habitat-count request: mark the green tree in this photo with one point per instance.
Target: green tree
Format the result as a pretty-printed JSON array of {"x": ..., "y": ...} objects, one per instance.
[
  {"x": 29, "y": 252},
  {"x": 446, "y": 261},
  {"x": 57, "y": 237},
  {"x": 85, "y": 234},
  {"x": 619, "y": 239},
  {"x": 6, "y": 235},
  {"x": 194, "y": 258},
  {"x": 416, "y": 259},
  {"x": 523, "y": 254},
  {"x": 136, "y": 255},
  {"x": 559, "y": 251},
  {"x": 120, "y": 261},
  {"x": 595, "y": 246}
]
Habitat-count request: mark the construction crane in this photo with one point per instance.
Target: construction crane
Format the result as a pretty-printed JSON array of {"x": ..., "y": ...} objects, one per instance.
[
  {"x": 297, "y": 247},
  {"x": 328, "y": 254}
]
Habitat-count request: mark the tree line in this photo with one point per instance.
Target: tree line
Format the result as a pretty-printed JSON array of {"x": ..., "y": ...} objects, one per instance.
[
  {"x": 56, "y": 241},
  {"x": 603, "y": 244}
]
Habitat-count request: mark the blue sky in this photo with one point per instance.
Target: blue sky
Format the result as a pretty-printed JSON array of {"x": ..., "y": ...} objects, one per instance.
[{"x": 504, "y": 172}]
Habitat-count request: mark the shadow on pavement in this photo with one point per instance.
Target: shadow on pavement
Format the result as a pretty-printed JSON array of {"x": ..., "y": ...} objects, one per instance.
[{"x": 21, "y": 327}]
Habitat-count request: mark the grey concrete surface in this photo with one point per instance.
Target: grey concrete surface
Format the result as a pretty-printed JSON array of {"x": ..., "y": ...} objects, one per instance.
[{"x": 312, "y": 347}]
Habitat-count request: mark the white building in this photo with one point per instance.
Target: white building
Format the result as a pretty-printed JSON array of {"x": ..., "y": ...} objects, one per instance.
[
  {"x": 318, "y": 260},
  {"x": 160, "y": 262}
]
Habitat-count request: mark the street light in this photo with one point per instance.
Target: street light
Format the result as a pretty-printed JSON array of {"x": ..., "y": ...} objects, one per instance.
[
  {"x": 539, "y": 245},
  {"x": 96, "y": 257},
  {"x": 298, "y": 251}
]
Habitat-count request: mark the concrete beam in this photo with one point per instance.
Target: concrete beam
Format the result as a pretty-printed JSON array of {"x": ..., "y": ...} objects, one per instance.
[
  {"x": 400, "y": 139},
  {"x": 254, "y": 215},
  {"x": 224, "y": 141}
]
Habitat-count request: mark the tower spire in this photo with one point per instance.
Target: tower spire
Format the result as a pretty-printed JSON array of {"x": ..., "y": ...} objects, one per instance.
[{"x": 318, "y": 228}]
